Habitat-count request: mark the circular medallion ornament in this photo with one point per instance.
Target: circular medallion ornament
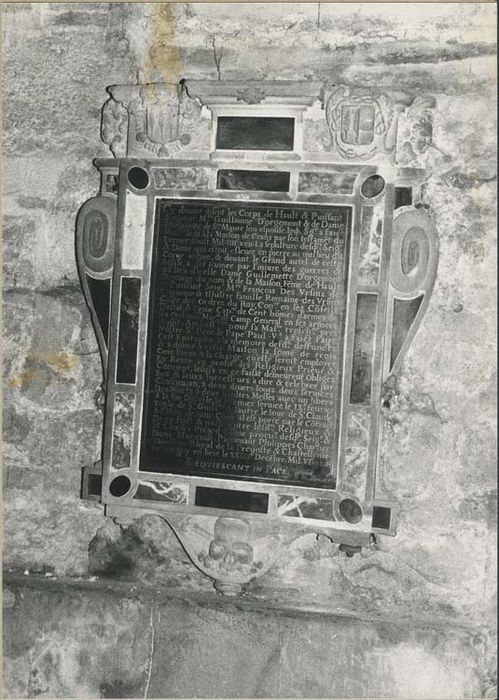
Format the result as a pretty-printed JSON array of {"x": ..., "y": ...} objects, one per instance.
[
  {"x": 372, "y": 186},
  {"x": 95, "y": 233},
  {"x": 138, "y": 178},
  {"x": 350, "y": 510},
  {"x": 120, "y": 486}
]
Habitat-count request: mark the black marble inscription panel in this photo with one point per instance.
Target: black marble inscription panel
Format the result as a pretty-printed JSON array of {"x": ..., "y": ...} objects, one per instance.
[
  {"x": 129, "y": 328},
  {"x": 245, "y": 337},
  {"x": 256, "y": 133}
]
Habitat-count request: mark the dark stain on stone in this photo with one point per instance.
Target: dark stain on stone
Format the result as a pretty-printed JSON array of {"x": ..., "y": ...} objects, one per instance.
[
  {"x": 34, "y": 380},
  {"x": 391, "y": 633},
  {"x": 19, "y": 635},
  {"x": 422, "y": 205},
  {"x": 388, "y": 391},
  {"x": 106, "y": 559},
  {"x": 349, "y": 550},
  {"x": 43, "y": 569},
  {"x": 471, "y": 232},
  {"x": 16, "y": 426},
  {"x": 480, "y": 507},
  {"x": 84, "y": 659},
  {"x": 447, "y": 609},
  {"x": 414, "y": 402},
  {"x": 120, "y": 689},
  {"x": 70, "y": 292},
  {"x": 416, "y": 52},
  {"x": 72, "y": 18},
  {"x": 32, "y": 202},
  {"x": 9, "y": 599},
  {"x": 128, "y": 557},
  {"x": 15, "y": 226},
  {"x": 34, "y": 685},
  {"x": 466, "y": 181}
]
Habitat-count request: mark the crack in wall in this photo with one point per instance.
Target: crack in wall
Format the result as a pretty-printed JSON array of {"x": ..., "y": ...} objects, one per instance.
[{"x": 151, "y": 652}]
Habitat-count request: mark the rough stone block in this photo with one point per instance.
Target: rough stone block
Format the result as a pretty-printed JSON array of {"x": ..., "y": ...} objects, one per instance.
[
  {"x": 92, "y": 646},
  {"x": 90, "y": 642},
  {"x": 18, "y": 239},
  {"x": 53, "y": 360},
  {"x": 57, "y": 112},
  {"x": 40, "y": 531}
]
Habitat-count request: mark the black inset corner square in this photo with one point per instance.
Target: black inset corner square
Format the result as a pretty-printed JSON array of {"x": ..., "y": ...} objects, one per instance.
[{"x": 381, "y": 517}]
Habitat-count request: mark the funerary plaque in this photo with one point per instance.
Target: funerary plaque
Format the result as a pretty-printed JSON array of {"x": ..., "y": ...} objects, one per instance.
[{"x": 245, "y": 341}]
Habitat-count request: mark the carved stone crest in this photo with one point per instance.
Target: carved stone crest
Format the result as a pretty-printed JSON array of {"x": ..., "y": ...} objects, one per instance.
[
  {"x": 158, "y": 119},
  {"x": 114, "y": 127},
  {"x": 416, "y": 131},
  {"x": 362, "y": 122}
]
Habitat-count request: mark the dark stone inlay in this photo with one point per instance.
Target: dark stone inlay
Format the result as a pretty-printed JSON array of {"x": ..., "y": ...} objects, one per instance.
[
  {"x": 119, "y": 486},
  {"x": 181, "y": 178},
  {"x": 94, "y": 484},
  {"x": 124, "y": 406},
  {"x": 403, "y": 197},
  {"x": 162, "y": 491},
  {"x": 264, "y": 180},
  {"x": 373, "y": 186},
  {"x": 404, "y": 313},
  {"x": 245, "y": 341},
  {"x": 350, "y": 510},
  {"x": 112, "y": 184},
  {"x": 305, "y": 507},
  {"x": 138, "y": 177},
  {"x": 100, "y": 292},
  {"x": 370, "y": 244},
  {"x": 381, "y": 517},
  {"x": 256, "y": 133},
  {"x": 231, "y": 500},
  {"x": 363, "y": 348},
  {"x": 326, "y": 183},
  {"x": 129, "y": 328}
]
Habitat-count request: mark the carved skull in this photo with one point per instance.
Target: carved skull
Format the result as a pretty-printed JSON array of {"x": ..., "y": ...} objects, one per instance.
[{"x": 230, "y": 545}]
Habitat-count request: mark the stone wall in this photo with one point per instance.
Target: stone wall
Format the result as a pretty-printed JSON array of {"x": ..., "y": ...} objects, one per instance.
[{"x": 88, "y": 604}]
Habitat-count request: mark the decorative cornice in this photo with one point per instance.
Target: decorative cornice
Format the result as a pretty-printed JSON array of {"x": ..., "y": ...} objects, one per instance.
[
  {"x": 161, "y": 119},
  {"x": 289, "y": 92}
]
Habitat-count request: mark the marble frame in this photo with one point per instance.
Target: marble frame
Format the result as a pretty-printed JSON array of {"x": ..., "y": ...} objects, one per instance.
[{"x": 292, "y": 510}]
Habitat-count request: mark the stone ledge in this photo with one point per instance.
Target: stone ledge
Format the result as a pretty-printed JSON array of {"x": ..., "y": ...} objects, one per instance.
[
  {"x": 86, "y": 639},
  {"x": 248, "y": 602}
]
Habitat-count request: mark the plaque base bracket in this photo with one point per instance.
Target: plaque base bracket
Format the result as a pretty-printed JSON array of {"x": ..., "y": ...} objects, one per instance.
[{"x": 235, "y": 550}]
